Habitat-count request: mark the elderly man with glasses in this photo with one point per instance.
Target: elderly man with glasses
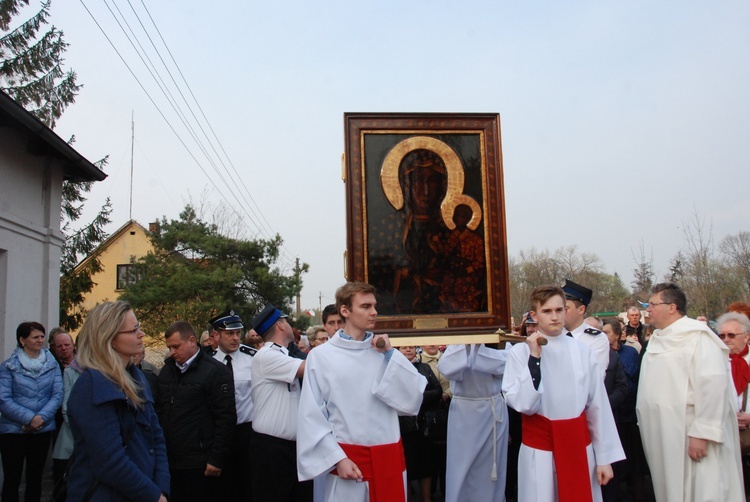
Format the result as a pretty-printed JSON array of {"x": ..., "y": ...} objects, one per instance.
[
  {"x": 687, "y": 406},
  {"x": 733, "y": 328}
]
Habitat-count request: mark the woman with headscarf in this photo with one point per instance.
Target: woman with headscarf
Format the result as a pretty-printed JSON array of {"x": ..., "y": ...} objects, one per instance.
[{"x": 119, "y": 451}]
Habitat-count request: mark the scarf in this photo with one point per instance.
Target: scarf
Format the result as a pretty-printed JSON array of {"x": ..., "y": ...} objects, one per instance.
[
  {"x": 34, "y": 366},
  {"x": 740, "y": 371}
]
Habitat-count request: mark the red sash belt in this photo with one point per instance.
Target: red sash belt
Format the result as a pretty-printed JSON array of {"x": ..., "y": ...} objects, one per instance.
[
  {"x": 567, "y": 440},
  {"x": 382, "y": 467}
]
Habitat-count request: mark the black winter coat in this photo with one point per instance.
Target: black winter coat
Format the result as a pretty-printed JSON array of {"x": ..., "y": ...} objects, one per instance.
[
  {"x": 197, "y": 412},
  {"x": 430, "y": 400}
]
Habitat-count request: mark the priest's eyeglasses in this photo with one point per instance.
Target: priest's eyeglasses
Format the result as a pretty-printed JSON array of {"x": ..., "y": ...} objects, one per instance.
[
  {"x": 731, "y": 336},
  {"x": 655, "y": 304}
]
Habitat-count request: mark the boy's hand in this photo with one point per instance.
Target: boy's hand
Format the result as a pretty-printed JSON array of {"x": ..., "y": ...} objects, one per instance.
[
  {"x": 347, "y": 469},
  {"x": 381, "y": 343},
  {"x": 604, "y": 474},
  {"x": 534, "y": 345}
]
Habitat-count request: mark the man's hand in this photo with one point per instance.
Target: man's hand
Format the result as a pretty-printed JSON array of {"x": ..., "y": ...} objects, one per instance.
[
  {"x": 534, "y": 347},
  {"x": 383, "y": 346},
  {"x": 348, "y": 469},
  {"x": 211, "y": 471},
  {"x": 697, "y": 448},
  {"x": 604, "y": 474},
  {"x": 743, "y": 420}
]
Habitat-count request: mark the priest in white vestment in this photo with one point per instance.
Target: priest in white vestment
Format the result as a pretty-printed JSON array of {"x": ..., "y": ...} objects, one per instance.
[
  {"x": 569, "y": 435},
  {"x": 352, "y": 394},
  {"x": 477, "y": 424},
  {"x": 687, "y": 407}
]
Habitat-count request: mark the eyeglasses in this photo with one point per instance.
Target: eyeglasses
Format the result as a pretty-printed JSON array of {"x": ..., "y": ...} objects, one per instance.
[
  {"x": 132, "y": 331},
  {"x": 731, "y": 336},
  {"x": 654, "y": 304}
]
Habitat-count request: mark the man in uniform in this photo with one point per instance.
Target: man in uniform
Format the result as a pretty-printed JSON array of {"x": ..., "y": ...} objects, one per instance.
[
  {"x": 687, "y": 406},
  {"x": 332, "y": 320},
  {"x": 531, "y": 325},
  {"x": 196, "y": 410},
  {"x": 355, "y": 387},
  {"x": 276, "y": 390},
  {"x": 577, "y": 299},
  {"x": 227, "y": 327}
]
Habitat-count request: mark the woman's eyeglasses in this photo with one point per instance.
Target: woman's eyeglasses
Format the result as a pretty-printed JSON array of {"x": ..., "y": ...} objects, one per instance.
[
  {"x": 138, "y": 328},
  {"x": 730, "y": 335}
]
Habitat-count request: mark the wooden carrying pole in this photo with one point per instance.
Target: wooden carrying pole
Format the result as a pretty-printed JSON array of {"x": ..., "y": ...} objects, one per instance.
[{"x": 455, "y": 339}]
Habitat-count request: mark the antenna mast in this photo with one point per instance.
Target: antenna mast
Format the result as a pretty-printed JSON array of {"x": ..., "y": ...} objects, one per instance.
[{"x": 132, "y": 143}]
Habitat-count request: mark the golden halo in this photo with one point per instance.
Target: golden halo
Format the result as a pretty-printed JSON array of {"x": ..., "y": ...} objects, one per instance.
[
  {"x": 455, "y": 172},
  {"x": 449, "y": 207}
]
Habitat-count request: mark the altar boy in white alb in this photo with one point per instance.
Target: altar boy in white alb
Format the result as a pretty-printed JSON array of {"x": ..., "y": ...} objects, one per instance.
[
  {"x": 348, "y": 413},
  {"x": 569, "y": 435}
]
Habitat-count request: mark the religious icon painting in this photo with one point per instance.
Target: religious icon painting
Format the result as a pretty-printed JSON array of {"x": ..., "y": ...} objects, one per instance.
[{"x": 426, "y": 220}]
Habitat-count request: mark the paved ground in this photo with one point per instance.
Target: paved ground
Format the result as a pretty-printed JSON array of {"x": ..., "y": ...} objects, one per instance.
[{"x": 47, "y": 486}]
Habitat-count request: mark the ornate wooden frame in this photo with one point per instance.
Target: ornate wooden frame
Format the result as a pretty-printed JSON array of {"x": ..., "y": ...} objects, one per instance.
[{"x": 377, "y": 163}]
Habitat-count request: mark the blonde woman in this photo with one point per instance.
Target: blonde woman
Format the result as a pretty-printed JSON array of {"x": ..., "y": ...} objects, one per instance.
[{"x": 119, "y": 451}]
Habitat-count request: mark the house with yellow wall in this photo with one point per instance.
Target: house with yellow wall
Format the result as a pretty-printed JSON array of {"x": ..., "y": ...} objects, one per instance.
[{"x": 130, "y": 242}]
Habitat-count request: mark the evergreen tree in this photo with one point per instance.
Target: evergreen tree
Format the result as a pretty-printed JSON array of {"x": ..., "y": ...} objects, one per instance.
[
  {"x": 643, "y": 273},
  {"x": 75, "y": 283},
  {"x": 31, "y": 61},
  {"x": 196, "y": 272},
  {"x": 31, "y": 72}
]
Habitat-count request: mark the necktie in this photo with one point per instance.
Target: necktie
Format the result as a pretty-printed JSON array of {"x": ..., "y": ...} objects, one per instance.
[{"x": 228, "y": 359}]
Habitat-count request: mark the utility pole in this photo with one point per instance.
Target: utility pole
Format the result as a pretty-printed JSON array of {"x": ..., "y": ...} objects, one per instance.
[{"x": 298, "y": 280}]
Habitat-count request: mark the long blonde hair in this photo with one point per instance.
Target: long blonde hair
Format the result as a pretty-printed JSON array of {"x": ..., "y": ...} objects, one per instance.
[{"x": 95, "y": 349}]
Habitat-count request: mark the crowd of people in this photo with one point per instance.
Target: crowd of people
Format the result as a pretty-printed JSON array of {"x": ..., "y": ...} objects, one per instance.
[{"x": 577, "y": 408}]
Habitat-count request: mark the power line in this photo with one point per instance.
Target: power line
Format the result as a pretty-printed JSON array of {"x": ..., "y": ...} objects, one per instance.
[
  {"x": 202, "y": 112},
  {"x": 257, "y": 218},
  {"x": 169, "y": 124}
]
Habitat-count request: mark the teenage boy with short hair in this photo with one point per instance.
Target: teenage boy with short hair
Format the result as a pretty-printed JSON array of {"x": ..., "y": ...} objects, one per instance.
[
  {"x": 348, "y": 411},
  {"x": 569, "y": 435}
]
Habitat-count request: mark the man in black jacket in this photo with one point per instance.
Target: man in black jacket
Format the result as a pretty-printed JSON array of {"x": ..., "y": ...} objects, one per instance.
[{"x": 196, "y": 409}]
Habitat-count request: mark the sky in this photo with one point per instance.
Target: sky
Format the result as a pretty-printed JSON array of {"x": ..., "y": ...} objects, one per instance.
[{"x": 620, "y": 121}]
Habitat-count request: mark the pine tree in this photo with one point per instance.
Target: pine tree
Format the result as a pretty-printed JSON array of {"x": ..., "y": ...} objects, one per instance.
[
  {"x": 31, "y": 72},
  {"x": 31, "y": 69},
  {"x": 74, "y": 284},
  {"x": 195, "y": 272}
]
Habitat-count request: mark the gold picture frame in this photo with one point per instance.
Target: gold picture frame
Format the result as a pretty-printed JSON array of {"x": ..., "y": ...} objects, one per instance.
[{"x": 426, "y": 222}]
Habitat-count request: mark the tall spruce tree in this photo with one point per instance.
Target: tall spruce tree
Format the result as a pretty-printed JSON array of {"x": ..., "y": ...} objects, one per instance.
[
  {"x": 31, "y": 72},
  {"x": 31, "y": 63}
]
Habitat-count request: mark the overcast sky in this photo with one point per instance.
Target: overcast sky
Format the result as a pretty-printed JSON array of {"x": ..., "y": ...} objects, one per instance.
[{"x": 618, "y": 119}]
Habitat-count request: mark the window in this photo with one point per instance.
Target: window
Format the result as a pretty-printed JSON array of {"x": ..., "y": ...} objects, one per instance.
[{"x": 125, "y": 275}]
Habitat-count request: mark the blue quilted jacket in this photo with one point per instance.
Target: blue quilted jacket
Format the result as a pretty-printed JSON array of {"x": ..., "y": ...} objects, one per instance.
[{"x": 23, "y": 395}]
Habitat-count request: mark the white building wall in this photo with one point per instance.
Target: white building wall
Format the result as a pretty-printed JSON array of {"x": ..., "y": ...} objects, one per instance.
[{"x": 30, "y": 238}]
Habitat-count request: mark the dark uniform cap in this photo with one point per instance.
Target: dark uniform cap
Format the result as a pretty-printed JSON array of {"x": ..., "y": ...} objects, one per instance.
[
  {"x": 263, "y": 321},
  {"x": 227, "y": 320},
  {"x": 529, "y": 319},
  {"x": 575, "y": 291}
]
